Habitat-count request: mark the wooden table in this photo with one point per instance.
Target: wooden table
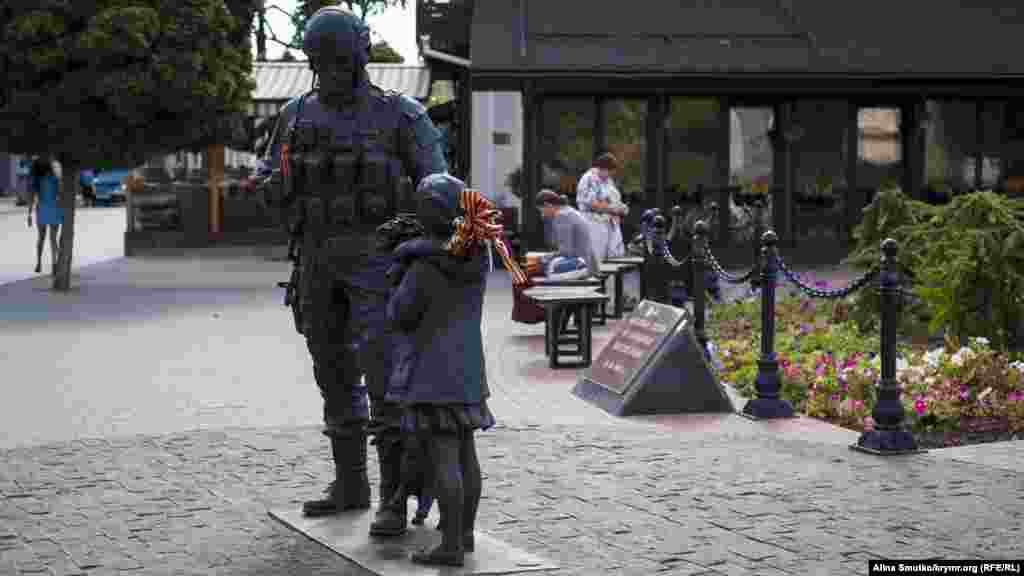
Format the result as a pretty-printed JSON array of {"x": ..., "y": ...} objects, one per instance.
[
  {"x": 599, "y": 283},
  {"x": 639, "y": 262},
  {"x": 566, "y": 299},
  {"x": 618, "y": 270}
]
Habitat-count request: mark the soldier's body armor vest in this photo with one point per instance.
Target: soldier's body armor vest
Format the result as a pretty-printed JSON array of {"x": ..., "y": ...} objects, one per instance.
[{"x": 346, "y": 169}]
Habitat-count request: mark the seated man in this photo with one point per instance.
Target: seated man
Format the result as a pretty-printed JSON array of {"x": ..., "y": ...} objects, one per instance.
[
  {"x": 574, "y": 256},
  {"x": 570, "y": 234}
]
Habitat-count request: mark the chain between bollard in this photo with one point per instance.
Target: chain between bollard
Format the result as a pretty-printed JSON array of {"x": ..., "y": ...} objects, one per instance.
[
  {"x": 661, "y": 249},
  {"x": 824, "y": 293},
  {"x": 721, "y": 272}
]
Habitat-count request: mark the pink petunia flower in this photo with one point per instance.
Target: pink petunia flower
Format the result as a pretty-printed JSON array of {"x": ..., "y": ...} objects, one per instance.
[
  {"x": 919, "y": 406},
  {"x": 858, "y": 404}
]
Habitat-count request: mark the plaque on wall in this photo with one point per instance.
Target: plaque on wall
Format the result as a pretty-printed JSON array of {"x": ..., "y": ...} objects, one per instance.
[{"x": 641, "y": 334}]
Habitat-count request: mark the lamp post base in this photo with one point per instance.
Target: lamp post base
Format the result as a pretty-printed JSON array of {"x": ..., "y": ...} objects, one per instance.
[
  {"x": 887, "y": 443},
  {"x": 767, "y": 409}
]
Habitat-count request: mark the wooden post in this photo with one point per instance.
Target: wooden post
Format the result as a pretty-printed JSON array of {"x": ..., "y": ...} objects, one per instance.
[{"x": 215, "y": 175}]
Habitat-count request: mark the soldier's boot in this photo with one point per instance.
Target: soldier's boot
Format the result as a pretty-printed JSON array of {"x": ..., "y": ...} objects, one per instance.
[
  {"x": 350, "y": 489},
  {"x": 390, "y": 519}
]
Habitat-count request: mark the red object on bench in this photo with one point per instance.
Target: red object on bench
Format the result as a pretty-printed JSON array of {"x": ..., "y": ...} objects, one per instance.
[{"x": 523, "y": 310}]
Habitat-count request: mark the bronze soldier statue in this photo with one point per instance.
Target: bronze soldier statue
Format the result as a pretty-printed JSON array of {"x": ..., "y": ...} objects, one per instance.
[{"x": 345, "y": 151}]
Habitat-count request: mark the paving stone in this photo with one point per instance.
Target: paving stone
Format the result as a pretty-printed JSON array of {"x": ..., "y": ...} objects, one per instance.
[{"x": 565, "y": 481}]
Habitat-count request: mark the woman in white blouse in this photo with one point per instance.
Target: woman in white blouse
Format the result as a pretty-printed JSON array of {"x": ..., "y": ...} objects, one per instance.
[{"x": 600, "y": 201}]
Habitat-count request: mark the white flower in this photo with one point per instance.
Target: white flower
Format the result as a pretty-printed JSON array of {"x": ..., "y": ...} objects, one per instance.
[
  {"x": 902, "y": 365},
  {"x": 934, "y": 357},
  {"x": 981, "y": 341},
  {"x": 1018, "y": 366}
]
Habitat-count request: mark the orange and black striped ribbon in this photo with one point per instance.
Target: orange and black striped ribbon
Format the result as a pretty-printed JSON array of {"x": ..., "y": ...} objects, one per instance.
[{"x": 480, "y": 223}]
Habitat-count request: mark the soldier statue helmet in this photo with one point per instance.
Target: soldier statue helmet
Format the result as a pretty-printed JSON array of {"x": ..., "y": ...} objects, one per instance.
[
  {"x": 344, "y": 150},
  {"x": 337, "y": 45}
]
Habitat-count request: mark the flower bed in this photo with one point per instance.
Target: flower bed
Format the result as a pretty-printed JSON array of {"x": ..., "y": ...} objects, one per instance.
[{"x": 952, "y": 394}]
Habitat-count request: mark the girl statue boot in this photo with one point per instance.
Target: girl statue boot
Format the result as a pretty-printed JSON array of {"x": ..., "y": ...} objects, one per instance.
[
  {"x": 472, "y": 487},
  {"x": 450, "y": 497}
]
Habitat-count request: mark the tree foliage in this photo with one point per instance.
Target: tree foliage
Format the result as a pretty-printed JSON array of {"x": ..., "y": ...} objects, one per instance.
[
  {"x": 382, "y": 52},
  {"x": 965, "y": 260},
  {"x": 362, "y": 8},
  {"x": 120, "y": 81}
]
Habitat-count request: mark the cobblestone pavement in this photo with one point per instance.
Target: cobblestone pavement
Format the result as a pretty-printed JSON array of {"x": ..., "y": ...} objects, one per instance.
[
  {"x": 622, "y": 501},
  {"x": 673, "y": 495}
]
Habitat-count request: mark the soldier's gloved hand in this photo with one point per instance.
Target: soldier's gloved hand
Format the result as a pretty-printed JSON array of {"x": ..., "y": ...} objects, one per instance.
[
  {"x": 398, "y": 230},
  {"x": 396, "y": 271}
]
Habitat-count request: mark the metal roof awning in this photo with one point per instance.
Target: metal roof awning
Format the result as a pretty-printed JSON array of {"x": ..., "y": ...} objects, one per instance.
[
  {"x": 745, "y": 41},
  {"x": 279, "y": 82}
]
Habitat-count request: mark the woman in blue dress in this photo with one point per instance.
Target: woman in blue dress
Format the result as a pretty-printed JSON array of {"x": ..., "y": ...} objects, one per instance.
[{"x": 44, "y": 188}]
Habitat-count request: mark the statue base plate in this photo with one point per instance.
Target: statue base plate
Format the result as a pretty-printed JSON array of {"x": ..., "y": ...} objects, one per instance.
[{"x": 347, "y": 534}]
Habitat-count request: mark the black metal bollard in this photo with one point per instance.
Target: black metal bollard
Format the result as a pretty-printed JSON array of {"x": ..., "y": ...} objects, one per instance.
[
  {"x": 888, "y": 436},
  {"x": 768, "y": 404},
  {"x": 755, "y": 277},
  {"x": 677, "y": 223},
  {"x": 700, "y": 236},
  {"x": 657, "y": 281}
]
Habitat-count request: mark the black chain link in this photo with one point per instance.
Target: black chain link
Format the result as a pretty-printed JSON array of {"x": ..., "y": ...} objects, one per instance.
[
  {"x": 666, "y": 254},
  {"x": 721, "y": 272},
  {"x": 823, "y": 293}
]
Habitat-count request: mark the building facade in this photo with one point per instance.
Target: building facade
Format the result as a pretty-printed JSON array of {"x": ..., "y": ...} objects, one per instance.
[{"x": 819, "y": 103}]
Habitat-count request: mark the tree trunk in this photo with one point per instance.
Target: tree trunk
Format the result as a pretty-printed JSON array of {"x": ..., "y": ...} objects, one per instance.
[{"x": 69, "y": 192}]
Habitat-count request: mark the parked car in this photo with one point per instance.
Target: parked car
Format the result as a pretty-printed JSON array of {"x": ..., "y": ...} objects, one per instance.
[
  {"x": 109, "y": 186},
  {"x": 85, "y": 179}
]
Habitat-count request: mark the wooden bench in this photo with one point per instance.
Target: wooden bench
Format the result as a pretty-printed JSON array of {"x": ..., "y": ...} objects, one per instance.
[{"x": 558, "y": 301}]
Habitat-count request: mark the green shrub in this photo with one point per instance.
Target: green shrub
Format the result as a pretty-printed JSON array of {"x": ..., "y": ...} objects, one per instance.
[
  {"x": 972, "y": 266},
  {"x": 965, "y": 260}
]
